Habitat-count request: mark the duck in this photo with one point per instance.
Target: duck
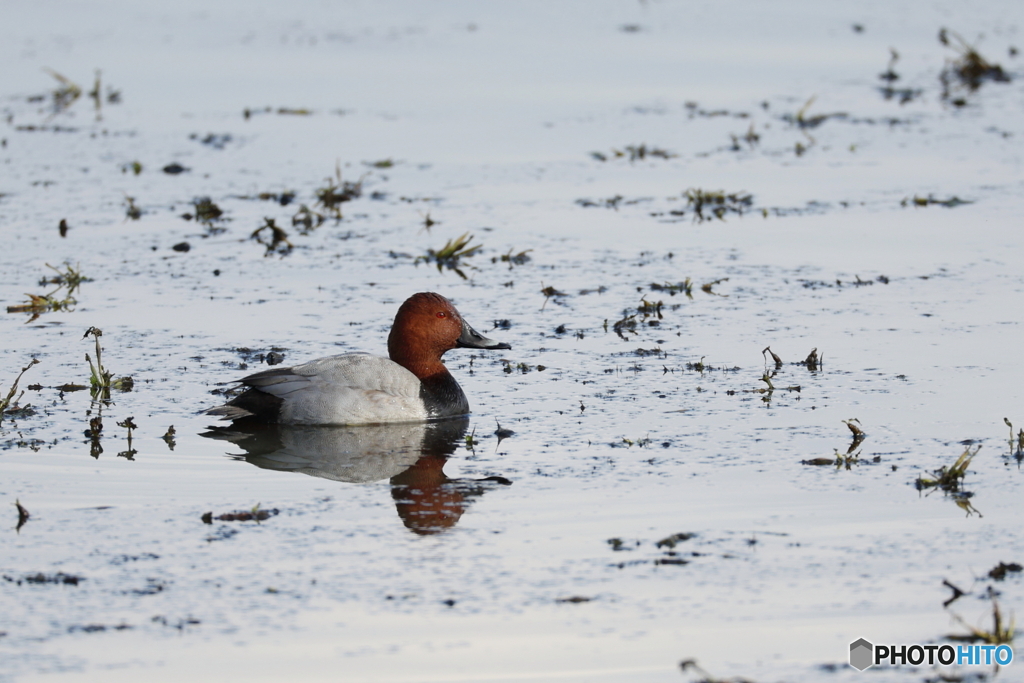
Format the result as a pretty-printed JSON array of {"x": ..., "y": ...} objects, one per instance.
[{"x": 411, "y": 385}]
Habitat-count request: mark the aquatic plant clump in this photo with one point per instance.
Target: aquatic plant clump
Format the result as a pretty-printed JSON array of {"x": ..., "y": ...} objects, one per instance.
[
  {"x": 451, "y": 254},
  {"x": 12, "y": 395}
]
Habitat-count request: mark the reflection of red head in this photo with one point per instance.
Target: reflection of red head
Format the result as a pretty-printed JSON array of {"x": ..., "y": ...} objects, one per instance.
[{"x": 426, "y": 499}]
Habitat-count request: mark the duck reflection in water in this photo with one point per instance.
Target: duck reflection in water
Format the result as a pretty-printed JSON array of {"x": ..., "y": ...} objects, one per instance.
[{"x": 412, "y": 455}]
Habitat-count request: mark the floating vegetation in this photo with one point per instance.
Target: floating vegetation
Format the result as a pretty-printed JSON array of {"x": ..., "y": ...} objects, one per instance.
[
  {"x": 428, "y": 222},
  {"x": 889, "y": 92},
  {"x": 40, "y": 578},
  {"x": 101, "y": 380},
  {"x": 130, "y": 209},
  {"x": 305, "y": 219},
  {"x": 336, "y": 192},
  {"x": 770, "y": 389},
  {"x": 278, "y": 241},
  {"x": 650, "y": 309},
  {"x": 552, "y": 293},
  {"x": 610, "y": 203},
  {"x": 969, "y": 69},
  {"x": 502, "y": 432},
  {"x": 949, "y": 479},
  {"x": 999, "y": 572},
  {"x": 205, "y": 211},
  {"x": 23, "y": 515},
  {"x": 64, "y": 95},
  {"x": 513, "y": 259},
  {"x": 134, "y": 166},
  {"x": 635, "y": 153},
  {"x": 214, "y": 140},
  {"x": 471, "y": 441},
  {"x": 716, "y": 203},
  {"x": 706, "y": 287},
  {"x": 684, "y": 287},
  {"x": 129, "y": 424},
  {"x": 1001, "y": 634},
  {"x": 93, "y": 433},
  {"x": 852, "y": 455},
  {"x": 253, "y": 515},
  {"x": 804, "y": 122},
  {"x": 691, "y": 664},
  {"x": 814, "y": 362},
  {"x": 523, "y": 368},
  {"x": 672, "y": 541},
  {"x": 283, "y": 198},
  {"x": 949, "y": 203},
  {"x": 694, "y": 110},
  {"x": 858, "y": 433},
  {"x": 617, "y": 544},
  {"x": 68, "y": 279},
  {"x": 382, "y": 163},
  {"x": 1019, "y": 438},
  {"x": 890, "y": 75},
  {"x": 11, "y": 399},
  {"x": 750, "y": 137},
  {"x": 451, "y": 254},
  {"x": 168, "y": 437}
]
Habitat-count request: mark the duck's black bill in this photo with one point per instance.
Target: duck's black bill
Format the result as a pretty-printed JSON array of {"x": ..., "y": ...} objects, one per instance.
[{"x": 471, "y": 339}]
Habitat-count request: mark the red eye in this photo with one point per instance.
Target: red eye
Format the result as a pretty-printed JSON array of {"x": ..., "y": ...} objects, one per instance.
[{"x": 442, "y": 314}]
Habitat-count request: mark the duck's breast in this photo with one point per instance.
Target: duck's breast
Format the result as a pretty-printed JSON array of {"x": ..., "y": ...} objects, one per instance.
[{"x": 352, "y": 388}]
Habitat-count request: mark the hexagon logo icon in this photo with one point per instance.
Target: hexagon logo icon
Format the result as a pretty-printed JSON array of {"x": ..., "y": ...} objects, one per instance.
[{"x": 862, "y": 654}]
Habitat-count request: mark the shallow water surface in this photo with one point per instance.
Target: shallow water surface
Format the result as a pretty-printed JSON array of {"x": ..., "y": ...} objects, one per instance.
[{"x": 628, "y": 493}]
